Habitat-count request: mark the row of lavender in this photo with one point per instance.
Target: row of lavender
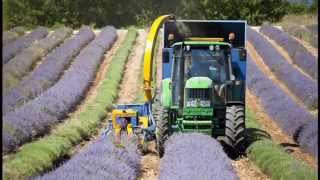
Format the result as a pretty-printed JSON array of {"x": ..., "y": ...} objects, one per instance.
[
  {"x": 12, "y": 48},
  {"x": 104, "y": 160},
  {"x": 195, "y": 156},
  {"x": 37, "y": 116},
  {"x": 101, "y": 160},
  {"x": 303, "y": 87},
  {"x": 292, "y": 118},
  {"x": 12, "y": 35},
  {"x": 48, "y": 72},
  {"x": 23, "y": 62},
  {"x": 308, "y": 33},
  {"x": 299, "y": 54}
]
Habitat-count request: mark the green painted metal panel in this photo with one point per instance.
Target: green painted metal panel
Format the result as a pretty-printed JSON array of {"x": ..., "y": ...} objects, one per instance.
[
  {"x": 166, "y": 97},
  {"x": 199, "y": 82},
  {"x": 204, "y": 131},
  {"x": 174, "y": 107}
]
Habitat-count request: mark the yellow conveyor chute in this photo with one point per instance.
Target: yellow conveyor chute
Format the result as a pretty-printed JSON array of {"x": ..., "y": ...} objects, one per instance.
[{"x": 148, "y": 55}]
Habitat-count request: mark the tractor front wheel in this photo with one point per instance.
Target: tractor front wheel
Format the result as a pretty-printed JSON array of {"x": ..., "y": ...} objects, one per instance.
[{"x": 235, "y": 127}]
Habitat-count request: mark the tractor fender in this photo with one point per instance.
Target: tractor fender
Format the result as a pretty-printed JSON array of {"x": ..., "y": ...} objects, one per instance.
[{"x": 166, "y": 96}]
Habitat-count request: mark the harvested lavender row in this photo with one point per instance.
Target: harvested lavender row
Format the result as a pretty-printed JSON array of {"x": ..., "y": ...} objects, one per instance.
[
  {"x": 276, "y": 102},
  {"x": 22, "y": 63},
  {"x": 304, "y": 88},
  {"x": 35, "y": 117},
  {"x": 11, "y": 49},
  {"x": 307, "y": 137},
  {"x": 48, "y": 71},
  {"x": 195, "y": 156},
  {"x": 12, "y": 34},
  {"x": 101, "y": 160},
  {"x": 299, "y": 54}
]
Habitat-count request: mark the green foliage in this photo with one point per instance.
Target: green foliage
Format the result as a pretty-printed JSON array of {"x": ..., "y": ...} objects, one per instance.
[
  {"x": 122, "y": 13},
  {"x": 270, "y": 157},
  {"x": 298, "y": 8},
  {"x": 40, "y": 155},
  {"x": 314, "y": 7}
]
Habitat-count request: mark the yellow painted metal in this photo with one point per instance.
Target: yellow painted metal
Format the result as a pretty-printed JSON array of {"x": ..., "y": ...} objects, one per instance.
[
  {"x": 117, "y": 130},
  {"x": 129, "y": 129},
  {"x": 121, "y": 114},
  {"x": 144, "y": 121},
  {"x": 205, "y": 39},
  {"x": 148, "y": 54}
]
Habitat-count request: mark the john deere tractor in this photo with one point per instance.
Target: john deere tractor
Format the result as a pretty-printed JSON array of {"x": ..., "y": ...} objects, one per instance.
[{"x": 203, "y": 80}]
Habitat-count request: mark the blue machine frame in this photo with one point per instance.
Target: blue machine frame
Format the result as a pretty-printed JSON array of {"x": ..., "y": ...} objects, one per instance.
[{"x": 199, "y": 28}]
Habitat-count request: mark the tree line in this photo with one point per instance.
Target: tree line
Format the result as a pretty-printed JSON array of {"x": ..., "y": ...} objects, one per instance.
[{"x": 124, "y": 13}]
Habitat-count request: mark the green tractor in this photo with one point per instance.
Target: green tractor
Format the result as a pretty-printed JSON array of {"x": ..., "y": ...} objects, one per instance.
[{"x": 203, "y": 81}]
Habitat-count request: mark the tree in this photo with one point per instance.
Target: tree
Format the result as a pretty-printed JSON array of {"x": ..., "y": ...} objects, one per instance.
[{"x": 122, "y": 13}]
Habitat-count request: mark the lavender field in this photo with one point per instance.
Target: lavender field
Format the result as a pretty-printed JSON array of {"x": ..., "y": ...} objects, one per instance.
[{"x": 60, "y": 84}]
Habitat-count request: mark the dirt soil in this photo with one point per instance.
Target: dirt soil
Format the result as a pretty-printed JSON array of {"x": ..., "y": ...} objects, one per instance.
[
  {"x": 266, "y": 70},
  {"x": 311, "y": 49},
  {"x": 150, "y": 164},
  {"x": 307, "y": 45},
  {"x": 246, "y": 170},
  {"x": 103, "y": 68},
  {"x": 277, "y": 135},
  {"x": 129, "y": 88}
]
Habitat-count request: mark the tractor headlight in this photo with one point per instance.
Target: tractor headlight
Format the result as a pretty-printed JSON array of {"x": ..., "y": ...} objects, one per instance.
[
  {"x": 188, "y": 47},
  {"x": 205, "y": 103},
  {"x": 192, "y": 103},
  {"x": 197, "y": 103}
]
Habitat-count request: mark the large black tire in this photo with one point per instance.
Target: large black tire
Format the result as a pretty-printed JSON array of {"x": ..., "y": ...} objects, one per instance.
[
  {"x": 161, "y": 115},
  {"x": 235, "y": 128}
]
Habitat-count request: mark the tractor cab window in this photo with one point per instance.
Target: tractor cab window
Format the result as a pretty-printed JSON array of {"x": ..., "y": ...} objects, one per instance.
[
  {"x": 197, "y": 62},
  {"x": 206, "y": 63}
]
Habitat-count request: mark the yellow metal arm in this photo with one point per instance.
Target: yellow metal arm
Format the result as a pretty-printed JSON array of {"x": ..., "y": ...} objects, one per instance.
[{"x": 148, "y": 55}]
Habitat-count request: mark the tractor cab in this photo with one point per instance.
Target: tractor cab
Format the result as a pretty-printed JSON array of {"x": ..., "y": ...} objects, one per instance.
[{"x": 205, "y": 68}]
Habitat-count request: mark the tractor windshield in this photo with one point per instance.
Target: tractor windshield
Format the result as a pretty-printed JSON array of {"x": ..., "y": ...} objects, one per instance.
[
  {"x": 206, "y": 63},
  {"x": 198, "y": 62}
]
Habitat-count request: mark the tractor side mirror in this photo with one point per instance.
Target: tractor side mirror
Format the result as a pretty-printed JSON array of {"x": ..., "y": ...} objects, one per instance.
[
  {"x": 165, "y": 56},
  {"x": 232, "y": 77}
]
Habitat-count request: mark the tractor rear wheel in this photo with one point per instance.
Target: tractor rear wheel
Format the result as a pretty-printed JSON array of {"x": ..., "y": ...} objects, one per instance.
[
  {"x": 235, "y": 127},
  {"x": 161, "y": 115}
]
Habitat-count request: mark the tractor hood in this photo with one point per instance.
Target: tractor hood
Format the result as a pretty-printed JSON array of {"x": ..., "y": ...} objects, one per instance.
[{"x": 199, "y": 83}]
